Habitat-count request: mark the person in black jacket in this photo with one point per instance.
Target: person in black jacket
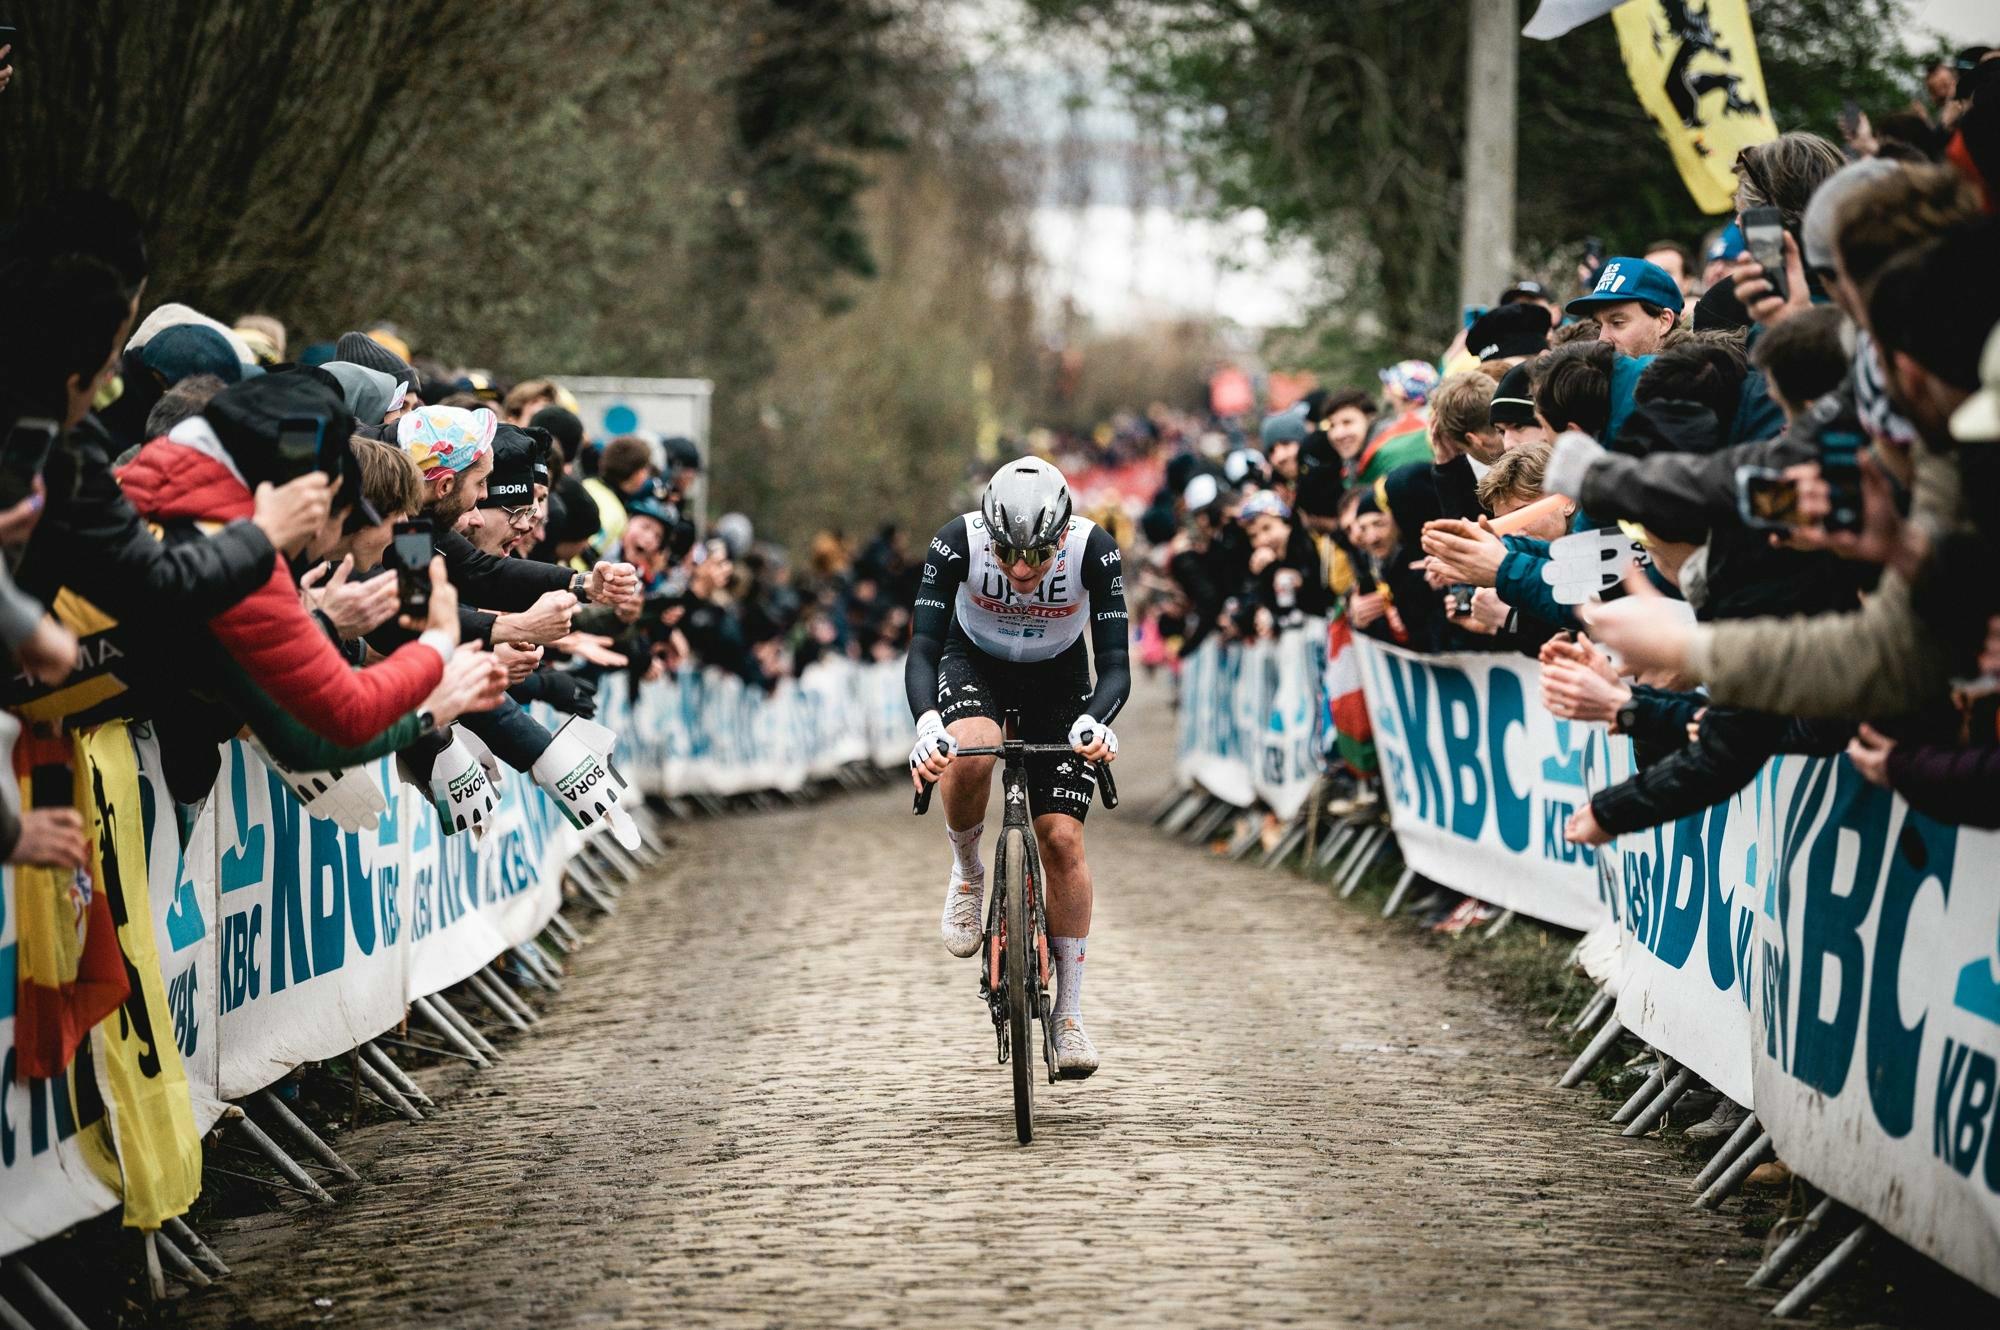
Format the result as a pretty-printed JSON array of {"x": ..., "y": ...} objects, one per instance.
[
  {"x": 1412, "y": 501},
  {"x": 65, "y": 311}
]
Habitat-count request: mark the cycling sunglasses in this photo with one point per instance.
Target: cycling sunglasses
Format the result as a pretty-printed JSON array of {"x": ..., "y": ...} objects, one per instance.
[{"x": 1032, "y": 555}]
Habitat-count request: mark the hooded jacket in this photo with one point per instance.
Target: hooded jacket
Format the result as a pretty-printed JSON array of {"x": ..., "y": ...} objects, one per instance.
[{"x": 188, "y": 478}]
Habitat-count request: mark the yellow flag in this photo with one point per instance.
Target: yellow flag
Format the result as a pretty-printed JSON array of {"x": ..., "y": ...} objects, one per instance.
[
  {"x": 1695, "y": 67},
  {"x": 152, "y": 1116}
]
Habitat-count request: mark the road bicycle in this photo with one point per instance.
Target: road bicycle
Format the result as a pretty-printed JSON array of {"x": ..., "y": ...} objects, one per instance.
[{"x": 1014, "y": 981}]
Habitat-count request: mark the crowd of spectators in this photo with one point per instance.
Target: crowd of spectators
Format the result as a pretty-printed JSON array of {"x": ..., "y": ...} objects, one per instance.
[
  {"x": 1787, "y": 444},
  {"x": 343, "y": 549}
]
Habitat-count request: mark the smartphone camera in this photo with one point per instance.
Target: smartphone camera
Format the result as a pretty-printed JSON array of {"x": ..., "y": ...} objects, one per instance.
[
  {"x": 409, "y": 557},
  {"x": 1840, "y": 467},
  {"x": 1764, "y": 235},
  {"x": 299, "y": 443},
  {"x": 1767, "y": 500},
  {"x": 25, "y": 454}
]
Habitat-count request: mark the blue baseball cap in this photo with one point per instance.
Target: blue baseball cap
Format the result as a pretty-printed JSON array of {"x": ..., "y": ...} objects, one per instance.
[
  {"x": 1727, "y": 245},
  {"x": 1623, "y": 279}
]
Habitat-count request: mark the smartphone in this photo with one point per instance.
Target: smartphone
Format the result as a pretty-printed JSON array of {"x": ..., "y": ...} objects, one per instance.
[
  {"x": 8, "y": 37},
  {"x": 409, "y": 556},
  {"x": 1458, "y": 600},
  {"x": 1850, "y": 116},
  {"x": 655, "y": 608},
  {"x": 1764, "y": 236},
  {"x": 1768, "y": 500},
  {"x": 299, "y": 440},
  {"x": 330, "y": 457},
  {"x": 25, "y": 454},
  {"x": 1840, "y": 467},
  {"x": 1593, "y": 260}
]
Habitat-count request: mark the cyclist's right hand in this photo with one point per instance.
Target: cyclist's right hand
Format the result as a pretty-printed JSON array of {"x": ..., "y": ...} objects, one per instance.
[{"x": 933, "y": 751}]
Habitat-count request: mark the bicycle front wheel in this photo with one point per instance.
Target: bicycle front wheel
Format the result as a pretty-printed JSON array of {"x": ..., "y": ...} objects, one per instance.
[{"x": 1011, "y": 875}]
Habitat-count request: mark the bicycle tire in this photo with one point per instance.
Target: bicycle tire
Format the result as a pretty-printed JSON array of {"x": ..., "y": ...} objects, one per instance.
[{"x": 1010, "y": 872}]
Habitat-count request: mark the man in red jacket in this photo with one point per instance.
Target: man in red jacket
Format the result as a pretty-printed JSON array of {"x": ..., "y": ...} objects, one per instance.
[{"x": 207, "y": 471}]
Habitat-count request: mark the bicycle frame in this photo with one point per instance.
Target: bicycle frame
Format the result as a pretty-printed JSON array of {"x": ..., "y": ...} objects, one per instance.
[{"x": 1017, "y": 817}]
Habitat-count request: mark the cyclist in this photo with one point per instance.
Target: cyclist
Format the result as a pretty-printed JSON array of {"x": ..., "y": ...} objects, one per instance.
[{"x": 998, "y": 626}]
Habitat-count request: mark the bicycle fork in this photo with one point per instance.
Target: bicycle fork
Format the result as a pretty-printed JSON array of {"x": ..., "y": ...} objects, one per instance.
[{"x": 992, "y": 984}]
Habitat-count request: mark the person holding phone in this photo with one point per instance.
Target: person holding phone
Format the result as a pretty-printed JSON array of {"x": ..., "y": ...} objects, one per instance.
[
  {"x": 203, "y": 472},
  {"x": 349, "y": 594},
  {"x": 1770, "y": 274}
]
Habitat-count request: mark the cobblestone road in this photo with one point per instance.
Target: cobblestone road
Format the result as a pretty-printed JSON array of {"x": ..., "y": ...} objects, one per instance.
[{"x": 768, "y": 1097}]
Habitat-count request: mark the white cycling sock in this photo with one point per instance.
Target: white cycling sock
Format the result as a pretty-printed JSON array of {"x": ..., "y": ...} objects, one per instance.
[
  {"x": 965, "y": 845},
  {"x": 1069, "y": 974}
]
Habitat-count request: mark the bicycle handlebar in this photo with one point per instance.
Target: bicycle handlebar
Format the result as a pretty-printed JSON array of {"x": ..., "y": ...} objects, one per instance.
[{"x": 1107, "y": 788}]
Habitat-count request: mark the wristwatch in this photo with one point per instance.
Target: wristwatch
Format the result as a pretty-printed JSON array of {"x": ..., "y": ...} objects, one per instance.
[
  {"x": 1627, "y": 718},
  {"x": 426, "y": 722},
  {"x": 579, "y": 586}
]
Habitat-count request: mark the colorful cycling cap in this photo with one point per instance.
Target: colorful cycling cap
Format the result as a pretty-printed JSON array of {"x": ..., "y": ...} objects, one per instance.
[
  {"x": 446, "y": 438},
  {"x": 1416, "y": 380},
  {"x": 1264, "y": 503}
]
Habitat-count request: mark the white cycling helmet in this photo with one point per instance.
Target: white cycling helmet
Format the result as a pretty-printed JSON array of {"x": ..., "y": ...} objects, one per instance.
[{"x": 1026, "y": 505}]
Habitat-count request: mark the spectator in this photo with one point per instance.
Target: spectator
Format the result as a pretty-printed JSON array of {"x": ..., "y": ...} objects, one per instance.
[
  {"x": 1676, "y": 261},
  {"x": 1510, "y": 412},
  {"x": 623, "y": 472},
  {"x": 1636, "y": 304},
  {"x": 203, "y": 473},
  {"x": 1506, "y": 336}
]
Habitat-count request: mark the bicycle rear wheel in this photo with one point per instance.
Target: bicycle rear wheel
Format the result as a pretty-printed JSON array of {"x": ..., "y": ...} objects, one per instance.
[{"x": 1011, "y": 876}]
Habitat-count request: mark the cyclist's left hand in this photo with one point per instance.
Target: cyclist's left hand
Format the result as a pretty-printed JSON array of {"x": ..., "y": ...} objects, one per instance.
[{"x": 1093, "y": 740}]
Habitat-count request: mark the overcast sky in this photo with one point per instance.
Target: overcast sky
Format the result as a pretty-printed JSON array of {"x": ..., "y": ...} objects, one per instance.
[{"x": 1113, "y": 226}]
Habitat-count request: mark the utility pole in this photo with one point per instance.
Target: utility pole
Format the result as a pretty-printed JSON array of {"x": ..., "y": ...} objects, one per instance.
[{"x": 1492, "y": 77}]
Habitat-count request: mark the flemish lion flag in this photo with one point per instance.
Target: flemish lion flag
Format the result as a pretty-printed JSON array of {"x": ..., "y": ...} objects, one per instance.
[
  {"x": 1694, "y": 65},
  {"x": 138, "y": 1063}
]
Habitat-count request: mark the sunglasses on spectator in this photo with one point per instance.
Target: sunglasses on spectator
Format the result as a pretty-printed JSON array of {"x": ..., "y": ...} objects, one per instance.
[{"x": 1032, "y": 555}]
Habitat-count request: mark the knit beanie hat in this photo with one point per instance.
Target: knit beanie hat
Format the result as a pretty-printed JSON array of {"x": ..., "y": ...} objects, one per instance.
[
  {"x": 566, "y": 427},
  {"x": 1513, "y": 401},
  {"x": 188, "y": 349},
  {"x": 572, "y": 512},
  {"x": 246, "y": 418},
  {"x": 369, "y": 393},
  {"x": 512, "y": 484},
  {"x": 172, "y": 315},
  {"x": 358, "y": 348},
  {"x": 1288, "y": 426}
]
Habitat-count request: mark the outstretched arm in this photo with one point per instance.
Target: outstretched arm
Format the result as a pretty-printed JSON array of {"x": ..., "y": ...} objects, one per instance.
[
  {"x": 1110, "y": 626},
  {"x": 945, "y": 563}
]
